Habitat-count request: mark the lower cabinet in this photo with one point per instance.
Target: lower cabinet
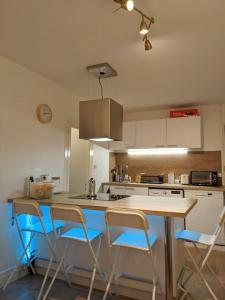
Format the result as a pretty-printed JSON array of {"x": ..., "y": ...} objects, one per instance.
[
  {"x": 204, "y": 217},
  {"x": 124, "y": 190}
]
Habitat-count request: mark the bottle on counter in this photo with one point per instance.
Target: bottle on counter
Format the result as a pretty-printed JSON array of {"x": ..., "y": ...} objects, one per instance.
[
  {"x": 117, "y": 174},
  {"x": 120, "y": 173},
  {"x": 126, "y": 175},
  {"x": 113, "y": 174},
  {"x": 138, "y": 178}
]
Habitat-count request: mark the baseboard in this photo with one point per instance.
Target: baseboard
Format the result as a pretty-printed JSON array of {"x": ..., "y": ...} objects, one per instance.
[
  {"x": 5, "y": 274},
  {"x": 128, "y": 287}
]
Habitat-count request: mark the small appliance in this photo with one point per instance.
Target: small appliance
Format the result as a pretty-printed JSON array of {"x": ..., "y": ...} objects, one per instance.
[
  {"x": 154, "y": 179},
  {"x": 184, "y": 179},
  {"x": 205, "y": 178}
]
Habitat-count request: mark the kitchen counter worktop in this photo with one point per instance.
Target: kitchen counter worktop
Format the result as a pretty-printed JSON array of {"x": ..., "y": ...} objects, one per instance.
[
  {"x": 170, "y": 207},
  {"x": 168, "y": 186}
]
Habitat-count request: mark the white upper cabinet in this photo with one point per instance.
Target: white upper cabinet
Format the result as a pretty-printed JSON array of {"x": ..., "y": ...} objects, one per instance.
[
  {"x": 129, "y": 138},
  {"x": 171, "y": 132},
  {"x": 151, "y": 133},
  {"x": 184, "y": 132}
]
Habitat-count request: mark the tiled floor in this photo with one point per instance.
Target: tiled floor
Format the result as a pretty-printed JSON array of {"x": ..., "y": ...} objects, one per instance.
[{"x": 27, "y": 288}]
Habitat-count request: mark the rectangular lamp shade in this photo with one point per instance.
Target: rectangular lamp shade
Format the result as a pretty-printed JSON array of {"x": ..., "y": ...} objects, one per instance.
[{"x": 100, "y": 120}]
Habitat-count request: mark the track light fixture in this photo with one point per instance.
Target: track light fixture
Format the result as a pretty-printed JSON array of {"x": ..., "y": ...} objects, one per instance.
[
  {"x": 148, "y": 45},
  {"x": 130, "y": 5},
  {"x": 146, "y": 21},
  {"x": 143, "y": 26}
]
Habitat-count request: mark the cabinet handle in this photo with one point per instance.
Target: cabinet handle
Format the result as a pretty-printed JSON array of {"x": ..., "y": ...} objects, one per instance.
[
  {"x": 160, "y": 146},
  {"x": 129, "y": 189}
]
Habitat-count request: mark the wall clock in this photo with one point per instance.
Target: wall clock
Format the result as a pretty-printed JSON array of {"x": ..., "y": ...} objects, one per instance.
[{"x": 44, "y": 113}]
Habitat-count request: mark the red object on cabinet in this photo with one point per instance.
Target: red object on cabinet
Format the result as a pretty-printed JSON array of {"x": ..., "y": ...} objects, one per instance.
[{"x": 184, "y": 113}]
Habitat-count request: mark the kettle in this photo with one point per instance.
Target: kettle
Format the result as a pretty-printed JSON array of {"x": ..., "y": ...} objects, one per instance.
[{"x": 91, "y": 192}]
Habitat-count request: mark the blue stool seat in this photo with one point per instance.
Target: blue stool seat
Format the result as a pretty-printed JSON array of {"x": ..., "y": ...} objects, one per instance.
[
  {"x": 195, "y": 236},
  {"x": 78, "y": 234},
  {"x": 135, "y": 240},
  {"x": 36, "y": 227}
]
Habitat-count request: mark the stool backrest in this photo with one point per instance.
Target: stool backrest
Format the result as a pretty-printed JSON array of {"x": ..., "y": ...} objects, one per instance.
[
  {"x": 126, "y": 218},
  {"x": 70, "y": 213},
  {"x": 27, "y": 207}
]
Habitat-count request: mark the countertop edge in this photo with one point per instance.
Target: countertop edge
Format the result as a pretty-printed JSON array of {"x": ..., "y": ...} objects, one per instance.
[
  {"x": 169, "y": 186},
  {"x": 97, "y": 206}
]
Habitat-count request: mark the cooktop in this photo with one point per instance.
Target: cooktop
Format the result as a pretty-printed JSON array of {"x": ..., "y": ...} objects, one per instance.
[{"x": 101, "y": 197}]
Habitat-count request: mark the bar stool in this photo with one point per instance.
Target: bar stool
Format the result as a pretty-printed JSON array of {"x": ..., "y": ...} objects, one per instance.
[
  {"x": 82, "y": 234},
  {"x": 30, "y": 208},
  {"x": 142, "y": 241},
  {"x": 198, "y": 238}
]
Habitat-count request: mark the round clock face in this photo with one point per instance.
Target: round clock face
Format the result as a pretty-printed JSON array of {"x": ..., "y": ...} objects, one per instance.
[{"x": 44, "y": 113}]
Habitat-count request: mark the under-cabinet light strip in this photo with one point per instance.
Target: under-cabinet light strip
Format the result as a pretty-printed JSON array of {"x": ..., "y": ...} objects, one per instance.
[
  {"x": 157, "y": 151},
  {"x": 101, "y": 139}
]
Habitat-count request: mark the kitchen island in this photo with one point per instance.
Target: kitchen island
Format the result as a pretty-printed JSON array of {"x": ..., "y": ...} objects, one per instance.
[{"x": 166, "y": 217}]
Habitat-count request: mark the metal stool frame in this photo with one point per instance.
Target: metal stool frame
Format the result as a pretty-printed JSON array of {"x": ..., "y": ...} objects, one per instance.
[
  {"x": 209, "y": 241},
  {"x": 32, "y": 208},
  {"x": 73, "y": 214},
  {"x": 130, "y": 219}
]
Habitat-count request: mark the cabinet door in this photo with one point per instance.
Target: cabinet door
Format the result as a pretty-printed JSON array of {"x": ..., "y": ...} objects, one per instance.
[
  {"x": 126, "y": 190},
  {"x": 184, "y": 132},
  {"x": 204, "y": 217},
  {"x": 136, "y": 191},
  {"x": 151, "y": 133},
  {"x": 118, "y": 190},
  {"x": 129, "y": 130}
]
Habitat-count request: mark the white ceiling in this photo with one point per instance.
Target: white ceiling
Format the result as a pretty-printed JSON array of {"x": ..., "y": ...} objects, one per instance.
[{"x": 59, "y": 38}]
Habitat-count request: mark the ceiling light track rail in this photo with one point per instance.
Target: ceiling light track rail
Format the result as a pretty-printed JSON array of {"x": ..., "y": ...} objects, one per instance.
[{"x": 144, "y": 27}]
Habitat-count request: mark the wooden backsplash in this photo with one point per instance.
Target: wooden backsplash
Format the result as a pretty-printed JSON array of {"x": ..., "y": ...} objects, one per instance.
[{"x": 162, "y": 165}]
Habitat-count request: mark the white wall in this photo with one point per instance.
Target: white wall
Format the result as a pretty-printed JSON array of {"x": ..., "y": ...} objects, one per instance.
[
  {"x": 212, "y": 119},
  {"x": 27, "y": 146},
  {"x": 79, "y": 163}
]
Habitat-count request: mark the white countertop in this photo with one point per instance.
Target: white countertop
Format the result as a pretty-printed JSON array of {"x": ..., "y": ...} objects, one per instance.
[{"x": 170, "y": 207}]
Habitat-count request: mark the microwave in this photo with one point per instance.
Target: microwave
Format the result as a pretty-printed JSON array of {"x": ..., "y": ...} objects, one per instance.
[{"x": 205, "y": 178}]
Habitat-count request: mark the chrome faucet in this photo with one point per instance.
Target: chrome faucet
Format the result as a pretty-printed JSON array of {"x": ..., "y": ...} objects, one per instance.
[{"x": 91, "y": 192}]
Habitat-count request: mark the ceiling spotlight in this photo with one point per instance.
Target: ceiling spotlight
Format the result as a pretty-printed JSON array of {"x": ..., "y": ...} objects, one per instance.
[
  {"x": 130, "y": 5},
  {"x": 148, "y": 45},
  {"x": 143, "y": 27}
]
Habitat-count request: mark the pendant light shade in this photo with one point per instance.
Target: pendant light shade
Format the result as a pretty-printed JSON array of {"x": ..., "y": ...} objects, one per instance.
[{"x": 100, "y": 120}]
